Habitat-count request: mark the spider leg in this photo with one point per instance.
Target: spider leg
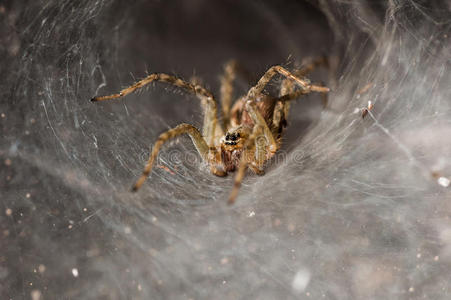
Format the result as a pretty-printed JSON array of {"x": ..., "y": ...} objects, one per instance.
[
  {"x": 249, "y": 154},
  {"x": 322, "y": 61},
  {"x": 257, "y": 161},
  {"x": 207, "y": 153},
  {"x": 258, "y": 120},
  {"x": 235, "y": 112},
  {"x": 231, "y": 69},
  {"x": 207, "y": 100},
  {"x": 281, "y": 108},
  {"x": 264, "y": 80},
  {"x": 294, "y": 95},
  {"x": 227, "y": 90},
  {"x": 287, "y": 93}
]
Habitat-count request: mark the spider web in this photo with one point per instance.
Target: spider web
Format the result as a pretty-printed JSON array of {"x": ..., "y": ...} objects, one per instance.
[{"x": 351, "y": 207}]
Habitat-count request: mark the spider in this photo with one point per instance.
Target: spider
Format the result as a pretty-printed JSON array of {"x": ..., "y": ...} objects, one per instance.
[{"x": 253, "y": 126}]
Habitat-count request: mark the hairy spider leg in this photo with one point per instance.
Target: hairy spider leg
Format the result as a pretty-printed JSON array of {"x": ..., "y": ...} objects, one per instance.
[
  {"x": 207, "y": 153},
  {"x": 292, "y": 96},
  {"x": 237, "y": 108},
  {"x": 264, "y": 80},
  {"x": 226, "y": 91},
  {"x": 231, "y": 69},
  {"x": 260, "y": 156},
  {"x": 288, "y": 93},
  {"x": 281, "y": 109},
  {"x": 258, "y": 120},
  {"x": 249, "y": 154},
  {"x": 305, "y": 70},
  {"x": 208, "y": 102}
]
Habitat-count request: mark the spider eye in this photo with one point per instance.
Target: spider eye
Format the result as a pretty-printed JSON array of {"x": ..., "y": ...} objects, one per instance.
[{"x": 232, "y": 136}]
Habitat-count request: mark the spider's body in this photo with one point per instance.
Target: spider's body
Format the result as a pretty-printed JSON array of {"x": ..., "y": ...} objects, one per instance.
[
  {"x": 233, "y": 143},
  {"x": 253, "y": 126}
]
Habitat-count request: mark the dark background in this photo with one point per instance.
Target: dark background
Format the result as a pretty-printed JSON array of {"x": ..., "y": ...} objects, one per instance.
[{"x": 352, "y": 208}]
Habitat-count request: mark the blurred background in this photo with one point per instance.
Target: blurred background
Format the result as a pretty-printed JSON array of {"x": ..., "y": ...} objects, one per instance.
[{"x": 352, "y": 207}]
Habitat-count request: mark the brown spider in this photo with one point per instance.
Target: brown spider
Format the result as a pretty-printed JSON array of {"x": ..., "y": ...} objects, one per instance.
[{"x": 253, "y": 125}]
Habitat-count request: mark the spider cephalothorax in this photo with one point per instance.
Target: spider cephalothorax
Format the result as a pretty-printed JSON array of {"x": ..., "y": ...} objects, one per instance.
[{"x": 253, "y": 125}]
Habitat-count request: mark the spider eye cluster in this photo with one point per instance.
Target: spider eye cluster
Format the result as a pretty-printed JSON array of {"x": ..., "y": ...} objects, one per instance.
[{"x": 231, "y": 138}]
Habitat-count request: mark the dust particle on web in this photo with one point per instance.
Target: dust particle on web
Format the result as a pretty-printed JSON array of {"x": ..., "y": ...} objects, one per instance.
[
  {"x": 443, "y": 181},
  {"x": 36, "y": 295},
  {"x": 224, "y": 261},
  {"x": 41, "y": 268},
  {"x": 75, "y": 272},
  {"x": 301, "y": 280}
]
